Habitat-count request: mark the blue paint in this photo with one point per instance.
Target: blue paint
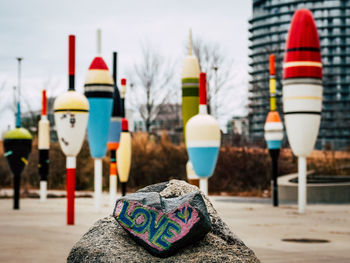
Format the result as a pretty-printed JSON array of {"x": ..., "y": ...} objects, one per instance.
[
  {"x": 184, "y": 215},
  {"x": 156, "y": 227},
  {"x": 18, "y": 116},
  {"x": 123, "y": 216},
  {"x": 98, "y": 125},
  {"x": 140, "y": 211},
  {"x": 167, "y": 234},
  {"x": 115, "y": 128},
  {"x": 272, "y": 145},
  {"x": 203, "y": 160}
]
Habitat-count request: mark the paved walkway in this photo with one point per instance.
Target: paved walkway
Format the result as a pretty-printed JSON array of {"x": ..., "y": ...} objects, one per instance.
[{"x": 38, "y": 233}]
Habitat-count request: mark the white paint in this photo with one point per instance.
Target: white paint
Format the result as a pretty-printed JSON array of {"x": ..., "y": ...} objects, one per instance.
[
  {"x": 302, "y": 97},
  {"x": 71, "y": 137},
  {"x": 112, "y": 190},
  {"x": 302, "y": 184},
  {"x": 302, "y": 129},
  {"x": 71, "y": 162},
  {"x": 203, "y": 109},
  {"x": 43, "y": 191},
  {"x": 203, "y": 185},
  {"x": 98, "y": 184}
]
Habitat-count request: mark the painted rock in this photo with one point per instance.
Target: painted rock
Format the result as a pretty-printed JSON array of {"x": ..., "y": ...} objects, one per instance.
[{"x": 163, "y": 225}]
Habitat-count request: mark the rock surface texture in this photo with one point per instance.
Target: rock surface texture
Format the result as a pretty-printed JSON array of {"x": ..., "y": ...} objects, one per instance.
[
  {"x": 163, "y": 225},
  {"x": 107, "y": 241}
]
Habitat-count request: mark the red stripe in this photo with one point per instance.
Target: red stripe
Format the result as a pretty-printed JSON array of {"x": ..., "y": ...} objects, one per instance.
[
  {"x": 44, "y": 104},
  {"x": 302, "y": 72},
  {"x": 303, "y": 31},
  {"x": 291, "y": 56},
  {"x": 98, "y": 63},
  {"x": 70, "y": 195},
  {"x": 71, "y": 55},
  {"x": 272, "y": 64},
  {"x": 202, "y": 88}
]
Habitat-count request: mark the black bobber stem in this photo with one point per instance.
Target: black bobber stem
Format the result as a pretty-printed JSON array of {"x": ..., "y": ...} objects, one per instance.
[
  {"x": 123, "y": 189},
  {"x": 274, "y": 158}
]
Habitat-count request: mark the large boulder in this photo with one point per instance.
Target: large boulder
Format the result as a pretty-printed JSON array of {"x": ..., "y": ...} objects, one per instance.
[{"x": 107, "y": 241}]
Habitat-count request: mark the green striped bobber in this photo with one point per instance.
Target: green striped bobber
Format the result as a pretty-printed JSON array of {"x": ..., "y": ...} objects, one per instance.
[{"x": 190, "y": 86}]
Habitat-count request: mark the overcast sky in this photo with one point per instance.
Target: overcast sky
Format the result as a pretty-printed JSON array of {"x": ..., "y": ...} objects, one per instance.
[{"x": 37, "y": 30}]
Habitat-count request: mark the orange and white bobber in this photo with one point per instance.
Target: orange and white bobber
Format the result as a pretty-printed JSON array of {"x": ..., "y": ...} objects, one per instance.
[
  {"x": 302, "y": 91},
  {"x": 124, "y": 155}
]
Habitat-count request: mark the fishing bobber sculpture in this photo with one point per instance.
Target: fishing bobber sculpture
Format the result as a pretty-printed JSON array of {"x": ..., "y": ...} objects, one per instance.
[
  {"x": 114, "y": 136},
  {"x": 71, "y": 111},
  {"x": 124, "y": 156},
  {"x": 99, "y": 88},
  {"x": 43, "y": 147},
  {"x": 273, "y": 131},
  {"x": 17, "y": 146},
  {"x": 302, "y": 92},
  {"x": 190, "y": 97},
  {"x": 203, "y": 139}
]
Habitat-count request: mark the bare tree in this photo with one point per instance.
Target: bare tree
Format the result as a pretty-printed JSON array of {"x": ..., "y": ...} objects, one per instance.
[
  {"x": 219, "y": 70},
  {"x": 150, "y": 84}
]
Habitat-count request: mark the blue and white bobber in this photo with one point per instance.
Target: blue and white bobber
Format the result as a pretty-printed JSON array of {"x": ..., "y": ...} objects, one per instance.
[
  {"x": 99, "y": 88},
  {"x": 203, "y": 139}
]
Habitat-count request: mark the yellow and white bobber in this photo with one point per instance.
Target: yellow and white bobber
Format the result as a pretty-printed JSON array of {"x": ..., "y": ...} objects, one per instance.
[{"x": 124, "y": 155}]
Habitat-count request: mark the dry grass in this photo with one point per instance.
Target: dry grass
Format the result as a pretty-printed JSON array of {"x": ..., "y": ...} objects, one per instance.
[{"x": 240, "y": 170}]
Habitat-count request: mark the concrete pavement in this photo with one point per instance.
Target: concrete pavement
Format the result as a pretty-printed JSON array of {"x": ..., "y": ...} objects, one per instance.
[{"x": 38, "y": 232}]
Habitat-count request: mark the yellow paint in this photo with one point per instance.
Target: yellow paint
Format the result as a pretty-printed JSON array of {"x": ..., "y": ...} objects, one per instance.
[
  {"x": 71, "y": 100},
  {"x": 44, "y": 134},
  {"x": 302, "y": 64},
  {"x": 272, "y": 94},
  {"x": 273, "y": 103},
  {"x": 98, "y": 76},
  {"x": 203, "y": 127},
  {"x": 24, "y": 160},
  {"x": 124, "y": 157},
  {"x": 18, "y": 133}
]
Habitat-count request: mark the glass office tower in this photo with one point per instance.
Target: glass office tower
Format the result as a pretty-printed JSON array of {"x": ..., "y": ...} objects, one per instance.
[{"x": 268, "y": 31}]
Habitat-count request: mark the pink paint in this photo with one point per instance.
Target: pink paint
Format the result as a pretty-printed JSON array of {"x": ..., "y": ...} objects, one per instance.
[{"x": 185, "y": 226}]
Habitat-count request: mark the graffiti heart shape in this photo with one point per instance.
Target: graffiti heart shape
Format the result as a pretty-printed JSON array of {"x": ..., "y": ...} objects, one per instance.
[
  {"x": 162, "y": 225},
  {"x": 184, "y": 214}
]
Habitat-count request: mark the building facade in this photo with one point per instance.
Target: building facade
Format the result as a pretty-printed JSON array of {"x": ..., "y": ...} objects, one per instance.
[{"x": 268, "y": 32}]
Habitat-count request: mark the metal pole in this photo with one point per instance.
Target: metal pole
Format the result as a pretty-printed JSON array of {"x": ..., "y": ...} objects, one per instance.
[
  {"x": 203, "y": 185},
  {"x": 98, "y": 183},
  {"x": 19, "y": 59},
  {"x": 18, "y": 118},
  {"x": 302, "y": 184}
]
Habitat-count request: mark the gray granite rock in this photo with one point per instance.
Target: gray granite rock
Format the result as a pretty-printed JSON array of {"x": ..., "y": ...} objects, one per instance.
[{"x": 106, "y": 240}]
